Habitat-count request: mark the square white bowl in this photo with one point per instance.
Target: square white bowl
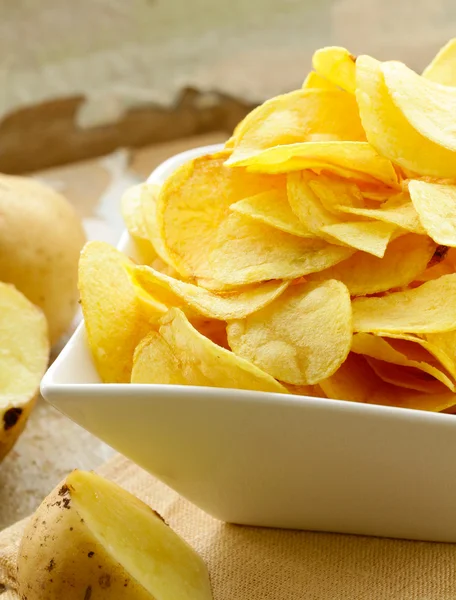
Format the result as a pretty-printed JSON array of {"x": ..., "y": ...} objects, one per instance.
[{"x": 267, "y": 459}]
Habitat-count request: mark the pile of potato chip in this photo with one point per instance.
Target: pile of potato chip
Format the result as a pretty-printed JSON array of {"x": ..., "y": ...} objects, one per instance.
[{"x": 314, "y": 255}]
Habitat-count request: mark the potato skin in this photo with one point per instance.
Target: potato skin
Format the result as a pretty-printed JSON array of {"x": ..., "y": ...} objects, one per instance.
[
  {"x": 41, "y": 237},
  {"x": 12, "y": 423},
  {"x": 59, "y": 558}
]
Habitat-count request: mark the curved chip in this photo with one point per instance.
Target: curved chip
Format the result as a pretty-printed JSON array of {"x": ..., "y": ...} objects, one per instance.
[
  {"x": 300, "y": 116},
  {"x": 154, "y": 362},
  {"x": 192, "y": 204},
  {"x": 398, "y": 210},
  {"x": 436, "y": 207},
  {"x": 133, "y": 217},
  {"x": 429, "y": 308},
  {"x": 272, "y": 208},
  {"x": 406, "y": 377},
  {"x": 380, "y": 349},
  {"x": 404, "y": 259},
  {"x": 442, "y": 69},
  {"x": 248, "y": 252},
  {"x": 334, "y": 192},
  {"x": 389, "y": 131},
  {"x": 428, "y": 106},
  {"x": 203, "y": 363},
  {"x": 282, "y": 338},
  {"x": 306, "y": 205},
  {"x": 372, "y": 238},
  {"x": 175, "y": 293},
  {"x": 337, "y": 65},
  {"x": 117, "y": 313},
  {"x": 316, "y": 81}
]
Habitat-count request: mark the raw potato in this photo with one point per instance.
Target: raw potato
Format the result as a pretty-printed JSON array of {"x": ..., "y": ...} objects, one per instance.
[
  {"x": 24, "y": 354},
  {"x": 90, "y": 539},
  {"x": 40, "y": 240}
]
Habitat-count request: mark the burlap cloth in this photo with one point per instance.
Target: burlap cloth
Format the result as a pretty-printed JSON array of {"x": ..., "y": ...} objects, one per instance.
[{"x": 260, "y": 564}]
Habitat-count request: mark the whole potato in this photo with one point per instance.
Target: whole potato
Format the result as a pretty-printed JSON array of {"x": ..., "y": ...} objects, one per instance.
[
  {"x": 40, "y": 240},
  {"x": 92, "y": 540}
]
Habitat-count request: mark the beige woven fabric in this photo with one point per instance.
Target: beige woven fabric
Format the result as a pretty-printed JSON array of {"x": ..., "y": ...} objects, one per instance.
[{"x": 260, "y": 564}]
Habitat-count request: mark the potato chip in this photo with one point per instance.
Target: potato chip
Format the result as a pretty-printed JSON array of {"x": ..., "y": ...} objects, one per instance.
[
  {"x": 430, "y": 308},
  {"x": 134, "y": 220},
  {"x": 443, "y": 68},
  {"x": 404, "y": 259},
  {"x": 203, "y": 363},
  {"x": 236, "y": 305},
  {"x": 272, "y": 208},
  {"x": 368, "y": 237},
  {"x": 436, "y": 207},
  {"x": 389, "y": 131},
  {"x": 305, "y": 204},
  {"x": 406, "y": 377},
  {"x": 300, "y": 116},
  {"x": 337, "y": 65},
  {"x": 314, "y": 391},
  {"x": 281, "y": 339},
  {"x": 398, "y": 210},
  {"x": 117, "y": 313},
  {"x": 194, "y": 201},
  {"x": 356, "y": 381},
  {"x": 357, "y": 159},
  {"x": 380, "y": 349},
  {"x": 213, "y": 329},
  {"x": 248, "y": 252},
  {"x": 154, "y": 362},
  {"x": 443, "y": 346},
  {"x": 316, "y": 81},
  {"x": 428, "y": 106},
  {"x": 334, "y": 192}
]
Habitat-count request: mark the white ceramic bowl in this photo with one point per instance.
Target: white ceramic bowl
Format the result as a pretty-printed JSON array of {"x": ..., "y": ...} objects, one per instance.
[{"x": 267, "y": 459}]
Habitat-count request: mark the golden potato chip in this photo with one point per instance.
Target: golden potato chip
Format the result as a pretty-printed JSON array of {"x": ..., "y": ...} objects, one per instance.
[
  {"x": 443, "y": 346},
  {"x": 134, "y": 220},
  {"x": 248, "y": 252},
  {"x": 305, "y": 204},
  {"x": 406, "y": 377},
  {"x": 405, "y": 258},
  {"x": 282, "y": 338},
  {"x": 443, "y": 68},
  {"x": 368, "y": 237},
  {"x": 300, "y": 116},
  {"x": 389, "y": 131},
  {"x": 117, "y": 313},
  {"x": 380, "y": 349},
  {"x": 204, "y": 363},
  {"x": 398, "y": 210},
  {"x": 430, "y": 308},
  {"x": 236, "y": 305},
  {"x": 314, "y": 391},
  {"x": 428, "y": 106},
  {"x": 436, "y": 208},
  {"x": 272, "y": 208},
  {"x": 337, "y": 65},
  {"x": 316, "y": 81},
  {"x": 213, "y": 329},
  {"x": 334, "y": 192},
  {"x": 154, "y": 362},
  {"x": 357, "y": 159},
  {"x": 194, "y": 201},
  {"x": 356, "y": 381}
]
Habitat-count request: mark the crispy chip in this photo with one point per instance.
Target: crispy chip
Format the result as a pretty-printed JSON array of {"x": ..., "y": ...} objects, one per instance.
[
  {"x": 248, "y": 252},
  {"x": 117, "y": 313},
  {"x": 314, "y": 391},
  {"x": 428, "y": 106},
  {"x": 389, "y": 131},
  {"x": 337, "y": 65},
  {"x": 316, "y": 81},
  {"x": 436, "y": 207},
  {"x": 237, "y": 305},
  {"x": 272, "y": 208},
  {"x": 213, "y": 329},
  {"x": 154, "y": 362},
  {"x": 404, "y": 259},
  {"x": 203, "y": 363},
  {"x": 380, "y": 349},
  {"x": 398, "y": 210},
  {"x": 134, "y": 220},
  {"x": 281, "y": 338},
  {"x": 305, "y": 204},
  {"x": 334, "y": 192},
  {"x": 430, "y": 308},
  {"x": 443, "y": 68},
  {"x": 368, "y": 237},
  {"x": 406, "y": 377},
  {"x": 359, "y": 159},
  {"x": 300, "y": 116},
  {"x": 356, "y": 381},
  {"x": 194, "y": 201}
]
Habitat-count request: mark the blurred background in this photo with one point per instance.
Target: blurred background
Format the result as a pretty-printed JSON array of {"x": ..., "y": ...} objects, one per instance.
[{"x": 95, "y": 93}]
